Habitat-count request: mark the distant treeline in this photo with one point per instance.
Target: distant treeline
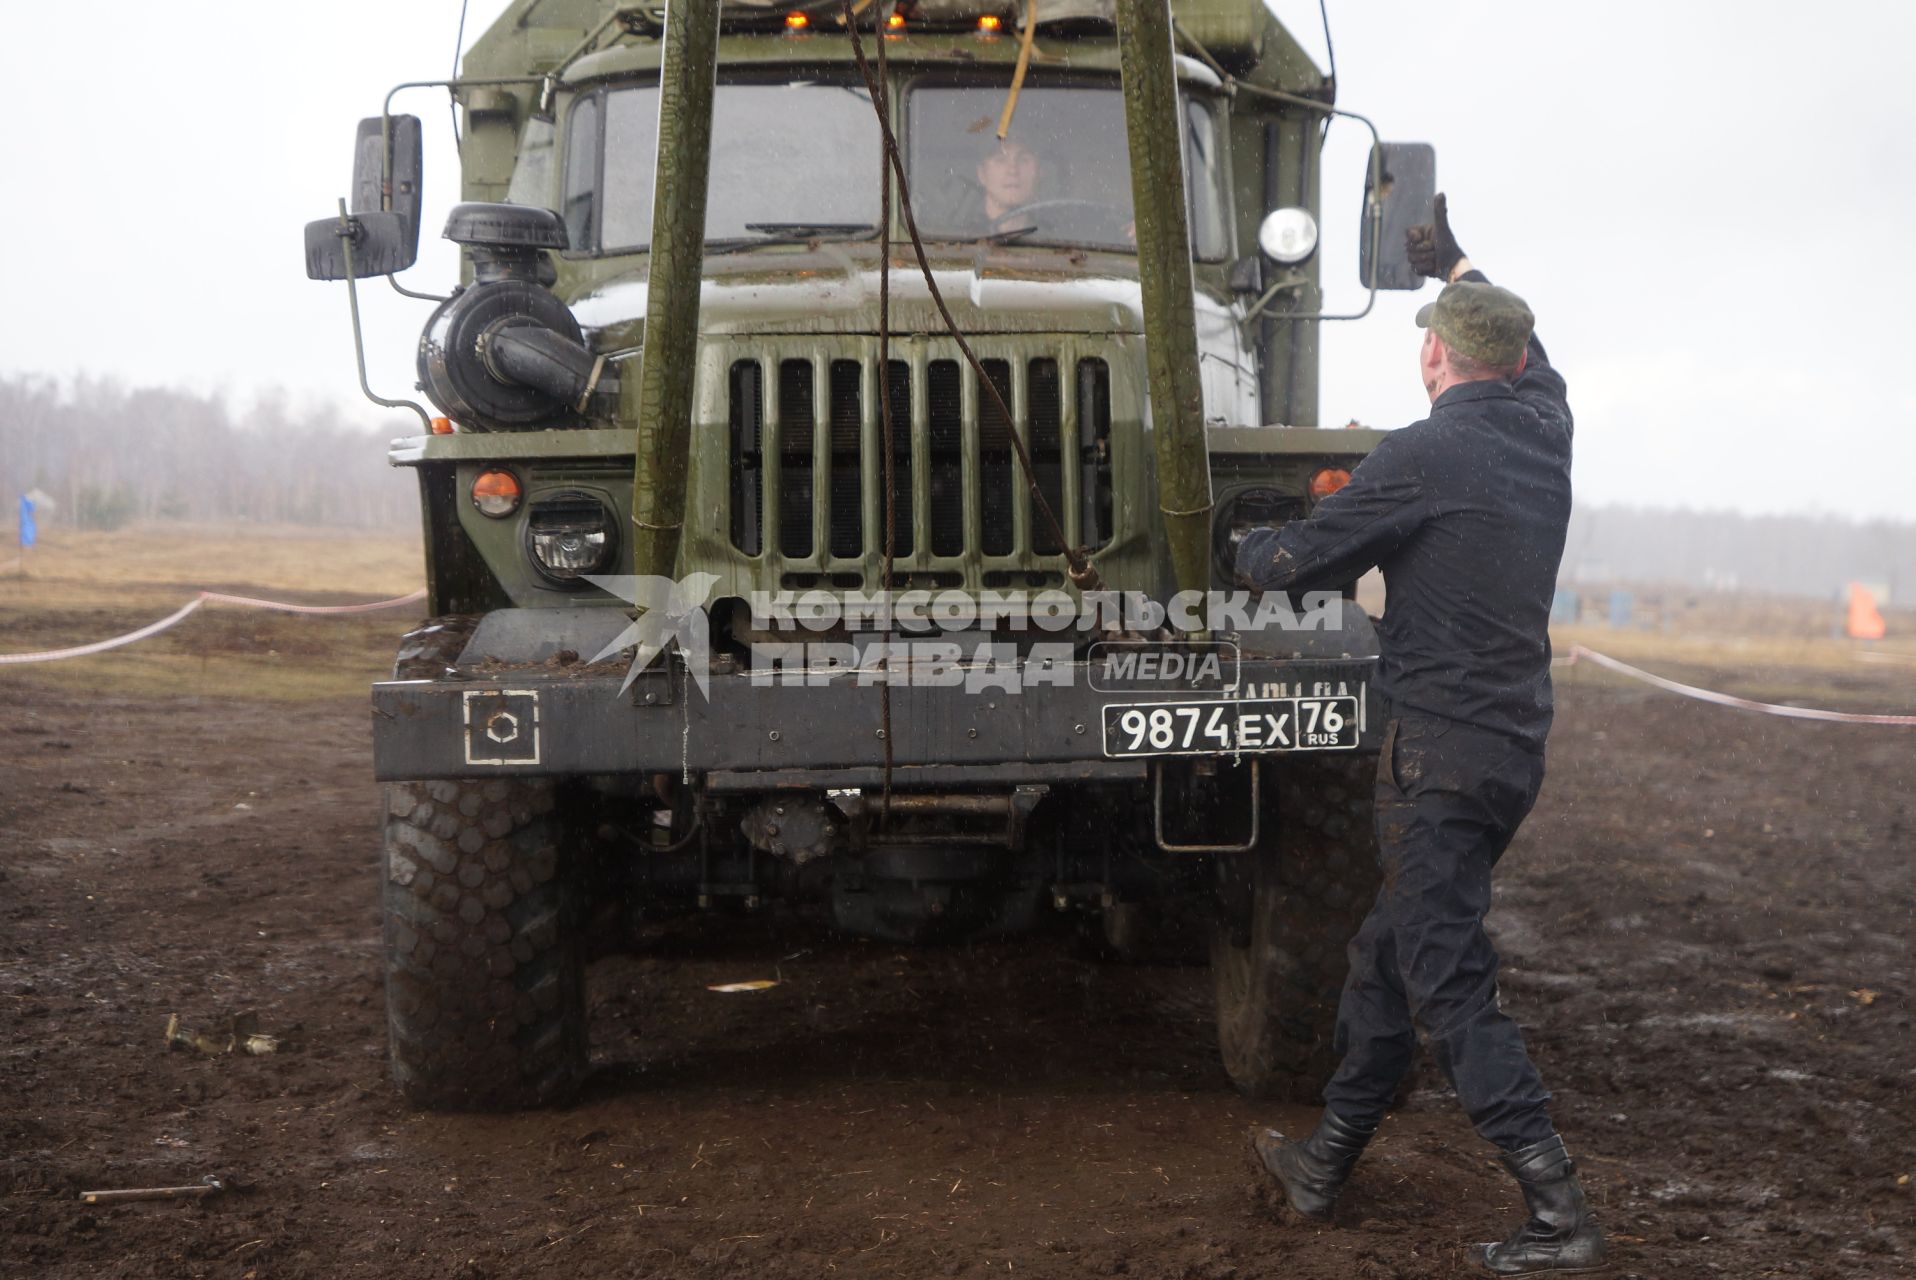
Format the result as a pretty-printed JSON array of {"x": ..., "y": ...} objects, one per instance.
[
  {"x": 107, "y": 454},
  {"x": 1705, "y": 550}
]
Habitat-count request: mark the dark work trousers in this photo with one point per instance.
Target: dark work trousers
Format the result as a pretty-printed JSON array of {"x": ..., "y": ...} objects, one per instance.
[{"x": 1449, "y": 799}]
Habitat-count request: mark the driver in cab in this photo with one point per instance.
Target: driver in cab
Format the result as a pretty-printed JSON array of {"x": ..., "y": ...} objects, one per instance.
[
  {"x": 1007, "y": 199},
  {"x": 1008, "y": 177}
]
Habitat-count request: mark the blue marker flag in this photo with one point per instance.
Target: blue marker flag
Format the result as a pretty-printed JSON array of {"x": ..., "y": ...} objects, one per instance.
[{"x": 29, "y": 532}]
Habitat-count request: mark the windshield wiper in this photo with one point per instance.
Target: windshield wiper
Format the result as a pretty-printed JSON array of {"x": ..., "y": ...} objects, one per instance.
[
  {"x": 1010, "y": 234},
  {"x": 810, "y": 230},
  {"x": 769, "y": 233}
]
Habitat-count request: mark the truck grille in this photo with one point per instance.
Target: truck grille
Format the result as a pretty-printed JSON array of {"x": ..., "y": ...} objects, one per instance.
[{"x": 807, "y": 487}]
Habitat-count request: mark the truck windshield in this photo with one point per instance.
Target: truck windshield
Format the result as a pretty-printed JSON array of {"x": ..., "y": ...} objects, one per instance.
[
  {"x": 800, "y": 160},
  {"x": 802, "y": 156},
  {"x": 1062, "y": 175}
]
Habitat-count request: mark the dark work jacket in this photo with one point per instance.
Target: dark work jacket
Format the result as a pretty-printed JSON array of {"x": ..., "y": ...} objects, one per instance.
[{"x": 1465, "y": 513}]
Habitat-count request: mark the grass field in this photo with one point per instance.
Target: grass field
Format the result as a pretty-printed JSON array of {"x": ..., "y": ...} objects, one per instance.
[
  {"x": 80, "y": 587},
  {"x": 168, "y": 557},
  {"x": 1825, "y": 671}
]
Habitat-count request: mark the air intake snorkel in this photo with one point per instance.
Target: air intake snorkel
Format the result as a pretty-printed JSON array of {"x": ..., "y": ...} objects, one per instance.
[{"x": 503, "y": 353}]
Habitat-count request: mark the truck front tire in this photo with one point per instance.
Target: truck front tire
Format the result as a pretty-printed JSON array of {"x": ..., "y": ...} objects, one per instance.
[
  {"x": 1294, "y": 902},
  {"x": 485, "y": 992}
]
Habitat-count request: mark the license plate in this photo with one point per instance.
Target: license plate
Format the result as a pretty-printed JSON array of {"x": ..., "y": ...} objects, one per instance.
[{"x": 1229, "y": 726}]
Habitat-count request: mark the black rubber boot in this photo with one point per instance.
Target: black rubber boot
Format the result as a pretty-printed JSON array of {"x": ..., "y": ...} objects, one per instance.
[
  {"x": 1313, "y": 1171},
  {"x": 1560, "y": 1236}
]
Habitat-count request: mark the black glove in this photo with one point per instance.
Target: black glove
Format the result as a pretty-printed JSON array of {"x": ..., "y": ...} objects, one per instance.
[{"x": 1432, "y": 250}]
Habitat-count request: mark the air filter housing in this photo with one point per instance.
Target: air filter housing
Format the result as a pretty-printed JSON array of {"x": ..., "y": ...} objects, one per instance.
[{"x": 503, "y": 353}]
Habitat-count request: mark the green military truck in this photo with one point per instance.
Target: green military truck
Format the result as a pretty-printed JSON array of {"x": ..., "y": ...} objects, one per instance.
[{"x": 882, "y": 667}]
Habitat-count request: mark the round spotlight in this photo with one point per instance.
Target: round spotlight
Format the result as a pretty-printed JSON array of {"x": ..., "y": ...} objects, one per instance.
[{"x": 1288, "y": 236}]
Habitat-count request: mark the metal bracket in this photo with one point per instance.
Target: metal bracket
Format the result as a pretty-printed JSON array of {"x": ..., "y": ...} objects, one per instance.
[
  {"x": 1157, "y": 816},
  {"x": 656, "y": 688},
  {"x": 1024, "y": 799},
  {"x": 348, "y": 230}
]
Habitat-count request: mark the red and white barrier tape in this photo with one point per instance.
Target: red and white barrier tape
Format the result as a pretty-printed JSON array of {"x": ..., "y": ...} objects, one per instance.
[
  {"x": 173, "y": 619},
  {"x": 247, "y": 602},
  {"x": 1579, "y": 653}
]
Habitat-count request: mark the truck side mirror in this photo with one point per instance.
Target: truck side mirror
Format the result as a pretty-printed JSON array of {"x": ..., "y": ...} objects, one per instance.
[
  {"x": 371, "y": 170},
  {"x": 382, "y": 244},
  {"x": 1399, "y": 186}
]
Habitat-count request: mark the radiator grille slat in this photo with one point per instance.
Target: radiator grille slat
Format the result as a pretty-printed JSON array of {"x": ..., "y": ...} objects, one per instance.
[
  {"x": 996, "y": 479},
  {"x": 847, "y": 520},
  {"x": 900, "y": 375},
  {"x": 1094, "y": 452},
  {"x": 797, "y": 420},
  {"x": 748, "y": 442},
  {"x": 975, "y": 498},
  {"x": 944, "y": 396},
  {"x": 1044, "y": 411}
]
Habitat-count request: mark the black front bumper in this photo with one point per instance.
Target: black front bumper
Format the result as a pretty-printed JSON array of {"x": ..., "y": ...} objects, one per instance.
[{"x": 542, "y": 721}]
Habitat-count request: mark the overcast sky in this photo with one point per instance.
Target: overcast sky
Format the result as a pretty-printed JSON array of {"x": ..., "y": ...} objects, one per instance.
[{"x": 1708, "y": 204}]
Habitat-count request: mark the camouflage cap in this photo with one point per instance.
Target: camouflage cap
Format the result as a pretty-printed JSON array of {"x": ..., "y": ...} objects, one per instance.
[{"x": 1480, "y": 320}]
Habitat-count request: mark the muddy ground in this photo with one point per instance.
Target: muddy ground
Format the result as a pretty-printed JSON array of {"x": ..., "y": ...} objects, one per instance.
[{"x": 1707, "y": 924}]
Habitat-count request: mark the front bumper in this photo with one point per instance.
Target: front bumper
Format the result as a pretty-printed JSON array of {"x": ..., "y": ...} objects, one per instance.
[{"x": 826, "y": 733}]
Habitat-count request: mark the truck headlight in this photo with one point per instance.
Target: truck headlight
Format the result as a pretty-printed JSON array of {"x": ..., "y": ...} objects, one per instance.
[{"x": 570, "y": 535}]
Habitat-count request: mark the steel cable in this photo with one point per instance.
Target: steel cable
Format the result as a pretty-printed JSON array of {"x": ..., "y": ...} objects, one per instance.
[{"x": 890, "y": 440}]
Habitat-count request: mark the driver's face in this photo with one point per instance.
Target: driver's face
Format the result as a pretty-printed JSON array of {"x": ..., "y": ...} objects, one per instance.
[{"x": 1009, "y": 175}]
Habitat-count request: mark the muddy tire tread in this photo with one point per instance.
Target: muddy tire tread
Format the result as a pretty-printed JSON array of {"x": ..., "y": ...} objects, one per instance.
[
  {"x": 1312, "y": 882},
  {"x": 484, "y": 970}
]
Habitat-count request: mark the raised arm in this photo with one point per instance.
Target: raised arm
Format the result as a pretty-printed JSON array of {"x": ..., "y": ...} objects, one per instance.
[{"x": 1433, "y": 251}]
